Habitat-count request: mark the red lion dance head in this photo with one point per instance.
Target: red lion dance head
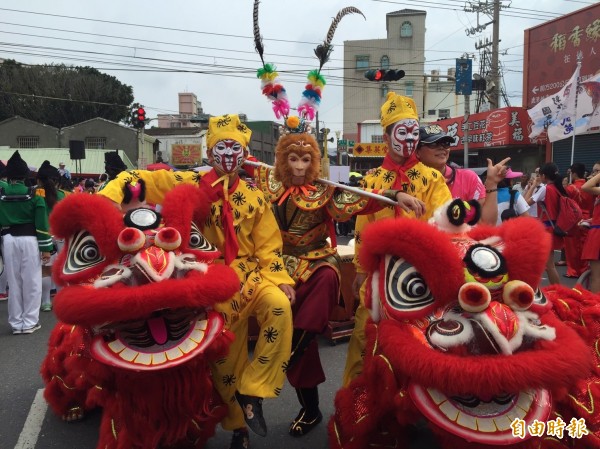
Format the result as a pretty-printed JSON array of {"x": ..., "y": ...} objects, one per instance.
[
  {"x": 137, "y": 329},
  {"x": 462, "y": 339}
]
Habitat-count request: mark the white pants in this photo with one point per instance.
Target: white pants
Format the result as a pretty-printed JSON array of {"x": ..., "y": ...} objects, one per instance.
[
  {"x": 3, "y": 281},
  {"x": 24, "y": 273}
]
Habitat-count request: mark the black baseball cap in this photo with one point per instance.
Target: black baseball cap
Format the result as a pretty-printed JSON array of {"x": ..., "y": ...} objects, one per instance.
[{"x": 434, "y": 134}]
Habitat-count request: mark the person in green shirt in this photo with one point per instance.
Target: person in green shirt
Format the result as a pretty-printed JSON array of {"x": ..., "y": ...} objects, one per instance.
[
  {"x": 25, "y": 234},
  {"x": 3, "y": 281}
]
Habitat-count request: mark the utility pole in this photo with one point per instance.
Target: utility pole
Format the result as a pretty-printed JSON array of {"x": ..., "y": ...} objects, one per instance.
[
  {"x": 491, "y": 8},
  {"x": 495, "y": 93}
]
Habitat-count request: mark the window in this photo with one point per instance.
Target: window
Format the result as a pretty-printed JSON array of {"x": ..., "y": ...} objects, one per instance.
[
  {"x": 409, "y": 88},
  {"x": 385, "y": 62},
  {"x": 175, "y": 124},
  {"x": 377, "y": 138},
  {"x": 430, "y": 111},
  {"x": 406, "y": 29},
  {"x": 98, "y": 143},
  {"x": 384, "y": 90},
  {"x": 28, "y": 141},
  {"x": 362, "y": 62},
  {"x": 443, "y": 113}
]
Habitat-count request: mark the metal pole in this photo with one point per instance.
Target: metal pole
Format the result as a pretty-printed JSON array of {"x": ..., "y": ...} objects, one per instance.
[
  {"x": 466, "y": 131},
  {"x": 335, "y": 184},
  {"x": 579, "y": 57},
  {"x": 495, "y": 97}
]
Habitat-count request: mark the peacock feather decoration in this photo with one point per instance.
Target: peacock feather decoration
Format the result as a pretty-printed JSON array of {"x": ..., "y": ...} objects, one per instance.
[{"x": 273, "y": 89}]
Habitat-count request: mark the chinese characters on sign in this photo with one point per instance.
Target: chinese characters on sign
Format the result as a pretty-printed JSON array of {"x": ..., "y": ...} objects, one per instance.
[
  {"x": 369, "y": 150},
  {"x": 553, "y": 428},
  {"x": 552, "y": 49},
  {"x": 495, "y": 128}
]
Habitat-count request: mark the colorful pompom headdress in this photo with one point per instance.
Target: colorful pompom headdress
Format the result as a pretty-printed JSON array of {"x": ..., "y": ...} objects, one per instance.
[{"x": 273, "y": 89}]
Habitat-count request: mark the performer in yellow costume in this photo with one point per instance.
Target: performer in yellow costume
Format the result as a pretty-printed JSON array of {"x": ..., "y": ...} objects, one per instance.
[
  {"x": 243, "y": 228},
  {"x": 402, "y": 171}
]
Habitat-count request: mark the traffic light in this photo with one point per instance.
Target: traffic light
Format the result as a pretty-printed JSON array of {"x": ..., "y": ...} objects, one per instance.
[
  {"x": 384, "y": 75},
  {"x": 138, "y": 117},
  {"x": 141, "y": 116}
]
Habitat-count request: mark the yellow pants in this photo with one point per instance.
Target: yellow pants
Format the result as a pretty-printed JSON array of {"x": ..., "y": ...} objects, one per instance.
[
  {"x": 357, "y": 343},
  {"x": 263, "y": 376}
]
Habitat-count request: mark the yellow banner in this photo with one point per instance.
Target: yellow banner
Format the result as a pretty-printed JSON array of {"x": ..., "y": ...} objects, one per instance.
[
  {"x": 369, "y": 150},
  {"x": 186, "y": 154}
]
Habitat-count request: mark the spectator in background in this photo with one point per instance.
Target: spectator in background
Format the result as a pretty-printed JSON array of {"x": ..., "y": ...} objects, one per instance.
[
  {"x": 575, "y": 240},
  {"x": 434, "y": 150},
  {"x": 533, "y": 186},
  {"x": 80, "y": 187},
  {"x": 48, "y": 178},
  {"x": 520, "y": 206},
  {"x": 547, "y": 198},
  {"x": 63, "y": 170},
  {"x": 3, "y": 280},
  {"x": 591, "y": 249},
  {"x": 522, "y": 184},
  {"x": 89, "y": 186},
  {"x": 65, "y": 184}
]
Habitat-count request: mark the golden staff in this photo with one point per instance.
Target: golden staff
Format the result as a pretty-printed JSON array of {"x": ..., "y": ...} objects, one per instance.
[{"x": 336, "y": 184}]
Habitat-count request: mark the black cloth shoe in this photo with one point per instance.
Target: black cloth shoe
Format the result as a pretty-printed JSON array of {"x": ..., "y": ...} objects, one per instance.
[
  {"x": 304, "y": 423},
  {"x": 309, "y": 416},
  {"x": 253, "y": 414},
  {"x": 240, "y": 439}
]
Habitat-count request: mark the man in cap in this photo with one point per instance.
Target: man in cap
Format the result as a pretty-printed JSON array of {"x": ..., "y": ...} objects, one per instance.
[
  {"x": 401, "y": 171},
  {"x": 24, "y": 223},
  {"x": 434, "y": 150},
  {"x": 243, "y": 228},
  {"x": 63, "y": 171}
]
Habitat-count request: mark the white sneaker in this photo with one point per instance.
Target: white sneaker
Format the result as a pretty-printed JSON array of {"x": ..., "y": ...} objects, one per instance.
[
  {"x": 31, "y": 330},
  {"x": 17, "y": 331}
]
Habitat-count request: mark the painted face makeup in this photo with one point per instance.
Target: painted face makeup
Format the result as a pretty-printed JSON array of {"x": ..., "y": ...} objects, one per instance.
[
  {"x": 404, "y": 137},
  {"x": 228, "y": 155}
]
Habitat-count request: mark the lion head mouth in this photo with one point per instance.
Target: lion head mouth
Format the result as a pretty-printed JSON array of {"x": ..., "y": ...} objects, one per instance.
[
  {"x": 483, "y": 420},
  {"x": 164, "y": 339}
]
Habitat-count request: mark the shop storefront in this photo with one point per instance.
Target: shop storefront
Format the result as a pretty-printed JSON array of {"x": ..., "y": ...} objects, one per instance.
[
  {"x": 495, "y": 134},
  {"x": 365, "y": 156}
]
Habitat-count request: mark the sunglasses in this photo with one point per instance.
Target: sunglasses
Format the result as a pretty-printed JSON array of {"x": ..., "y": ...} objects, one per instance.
[{"x": 436, "y": 145}]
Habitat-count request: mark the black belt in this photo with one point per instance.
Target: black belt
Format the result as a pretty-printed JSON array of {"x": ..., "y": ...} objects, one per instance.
[{"x": 20, "y": 230}]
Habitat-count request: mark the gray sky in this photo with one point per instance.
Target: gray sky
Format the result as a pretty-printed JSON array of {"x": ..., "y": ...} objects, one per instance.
[{"x": 149, "y": 44}]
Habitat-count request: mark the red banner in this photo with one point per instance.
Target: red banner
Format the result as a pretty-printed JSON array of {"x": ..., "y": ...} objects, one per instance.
[{"x": 497, "y": 128}]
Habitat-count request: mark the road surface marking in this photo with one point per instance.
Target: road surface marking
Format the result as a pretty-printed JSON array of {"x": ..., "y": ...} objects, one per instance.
[{"x": 33, "y": 423}]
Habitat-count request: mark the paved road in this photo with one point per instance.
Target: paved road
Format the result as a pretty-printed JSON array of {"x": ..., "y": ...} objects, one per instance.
[{"x": 26, "y": 424}]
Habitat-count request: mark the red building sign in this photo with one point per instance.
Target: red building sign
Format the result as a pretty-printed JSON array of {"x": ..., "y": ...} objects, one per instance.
[
  {"x": 186, "y": 154},
  {"x": 551, "y": 51},
  {"x": 497, "y": 128}
]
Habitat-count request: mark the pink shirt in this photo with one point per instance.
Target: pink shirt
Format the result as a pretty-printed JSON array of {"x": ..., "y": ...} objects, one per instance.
[{"x": 466, "y": 185}]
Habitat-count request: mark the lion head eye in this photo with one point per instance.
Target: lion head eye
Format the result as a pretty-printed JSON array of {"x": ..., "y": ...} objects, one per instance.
[
  {"x": 83, "y": 253},
  {"x": 485, "y": 261},
  {"x": 406, "y": 289},
  {"x": 198, "y": 242}
]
